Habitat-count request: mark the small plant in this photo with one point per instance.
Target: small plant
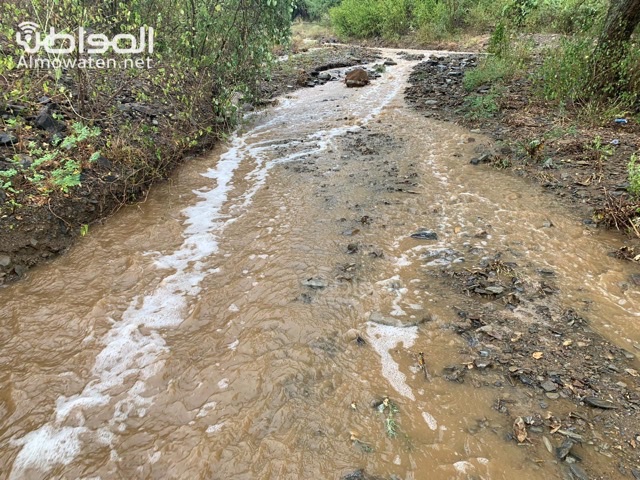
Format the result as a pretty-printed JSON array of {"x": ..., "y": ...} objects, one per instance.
[
  {"x": 633, "y": 170},
  {"x": 478, "y": 106},
  {"x": 6, "y": 180},
  {"x": 601, "y": 151},
  {"x": 67, "y": 176},
  {"x": 391, "y": 410},
  {"x": 499, "y": 41}
]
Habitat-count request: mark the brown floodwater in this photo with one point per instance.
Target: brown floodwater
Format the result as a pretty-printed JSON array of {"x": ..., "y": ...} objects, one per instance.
[{"x": 210, "y": 331}]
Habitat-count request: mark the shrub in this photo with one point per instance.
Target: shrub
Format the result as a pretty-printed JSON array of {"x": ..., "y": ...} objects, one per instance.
[
  {"x": 357, "y": 18},
  {"x": 478, "y": 106},
  {"x": 633, "y": 170},
  {"x": 565, "y": 73}
]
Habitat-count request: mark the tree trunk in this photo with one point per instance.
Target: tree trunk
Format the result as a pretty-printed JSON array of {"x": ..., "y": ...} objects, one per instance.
[{"x": 622, "y": 19}]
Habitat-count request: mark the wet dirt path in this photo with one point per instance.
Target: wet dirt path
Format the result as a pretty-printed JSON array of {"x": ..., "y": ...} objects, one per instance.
[{"x": 242, "y": 322}]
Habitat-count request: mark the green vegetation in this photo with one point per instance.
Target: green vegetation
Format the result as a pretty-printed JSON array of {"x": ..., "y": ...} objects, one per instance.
[
  {"x": 441, "y": 19},
  {"x": 143, "y": 120},
  {"x": 389, "y": 409},
  {"x": 478, "y": 106},
  {"x": 634, "y": 176},
  {"x": 314, "y": 10}
]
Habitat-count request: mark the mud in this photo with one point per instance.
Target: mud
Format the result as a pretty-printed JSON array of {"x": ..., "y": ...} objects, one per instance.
[{"x": 271, "y": 313}]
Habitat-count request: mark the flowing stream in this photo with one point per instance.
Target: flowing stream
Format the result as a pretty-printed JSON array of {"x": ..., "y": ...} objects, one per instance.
[{"x": 210, "y": 332}]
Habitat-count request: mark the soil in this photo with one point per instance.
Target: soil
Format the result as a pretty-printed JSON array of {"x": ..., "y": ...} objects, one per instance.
[
  {"x": 573, "y": 388},
  {"x": 35, "y": 227},
  {"x": 565, "y": 388}
]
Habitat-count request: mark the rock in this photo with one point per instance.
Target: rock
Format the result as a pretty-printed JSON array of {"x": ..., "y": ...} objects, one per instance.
[
  {"x": 7, "y": 139},
  {"x": 390, "y": 62},
  {"x": 303, "y": 78},
  {"x": 599, "y": 403},
  {"x": 549, "y": 386},
  {"x": 352, "y": 248},
  {"x": 454, "y": 373},
  {"x": 103, "y": 163},
  {"x": 357, "y": 78},
  {"x": 45, "y": 121},
  {"x": 484, "y": 158},
  {"x": 324, "y": 76},
  {"x": 577, "y": 472},
  {"x": 359, "y": 475},
  {"x": 553, "y": 395},
  {"x": 380, "y": 319},
  {"x": 5, "y": 260},
  {"x": 425, "y": 235},
  {"x": 481, "y": 363},
  {"x": 563, "y": 450},
  {"x": 495, "y": 289},
  {"x": 25, "y": 160},
  {"x": 351, "y": 335},
  {"x": 315, "y": 283}
]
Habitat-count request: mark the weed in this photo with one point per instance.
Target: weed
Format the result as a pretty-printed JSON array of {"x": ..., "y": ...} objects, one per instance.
[
  {"x": 489, "y": 71},
  {"x": 633, "y": 170},
  {"x": 479, "y": 106},
  {"x": 391, "y": 410}
]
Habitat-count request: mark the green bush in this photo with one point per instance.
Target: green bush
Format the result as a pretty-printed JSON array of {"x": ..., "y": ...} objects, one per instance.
[
  {"x": 314, "y": 10},
  {"x": 489, "y": 71},
  {"x": 565, "y": 74},
  {"x": 506, "y": 60},
  {"x": 357, "y": 18},
  {"x": 567, "y": 16}
]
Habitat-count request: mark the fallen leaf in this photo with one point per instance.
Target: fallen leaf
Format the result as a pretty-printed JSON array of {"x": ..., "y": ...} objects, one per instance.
[
  {"x": 537, "y": 355},
  {"x": 520, "y": 429}
]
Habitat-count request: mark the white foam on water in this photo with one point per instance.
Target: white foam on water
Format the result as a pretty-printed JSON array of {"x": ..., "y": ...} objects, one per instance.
[
  {"x": 463, "y": 466},
  {"x": 206, "y": 408},
  {"x": 127, "y": 352},
  {"x": 214, "y": 428},
  {"x": 44, "y": 446},
  {"x": 430, "y": 420},
  {"x": 383, "y": 339}
]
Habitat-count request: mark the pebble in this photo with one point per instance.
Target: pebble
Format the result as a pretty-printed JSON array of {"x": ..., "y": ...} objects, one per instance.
[
  {"x": 549, "y": 386},
  {"x": 5, "y": 260},
  {"x": 7, "y": 139},
  {"x": 599, "y": 403},
  {"x": 553, "y": 396},
  {"x": 425, "y": 235},
  {"x": 315, "y": 283},
  {"x": 578, "y": 472}
]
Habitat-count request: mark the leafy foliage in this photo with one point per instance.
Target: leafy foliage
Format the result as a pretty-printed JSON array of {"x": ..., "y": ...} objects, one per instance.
[{"x": 633, "y": 169}]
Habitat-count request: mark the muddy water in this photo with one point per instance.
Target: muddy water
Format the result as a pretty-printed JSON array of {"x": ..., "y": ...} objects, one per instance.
[{"x": 211, "y": 331}]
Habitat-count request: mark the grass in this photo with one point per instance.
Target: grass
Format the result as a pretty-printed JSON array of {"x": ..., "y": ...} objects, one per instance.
[{"x": 478, "y": 106}]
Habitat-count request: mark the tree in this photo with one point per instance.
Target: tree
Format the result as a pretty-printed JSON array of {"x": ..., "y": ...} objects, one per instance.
[{"x": 622, "y": 19}]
